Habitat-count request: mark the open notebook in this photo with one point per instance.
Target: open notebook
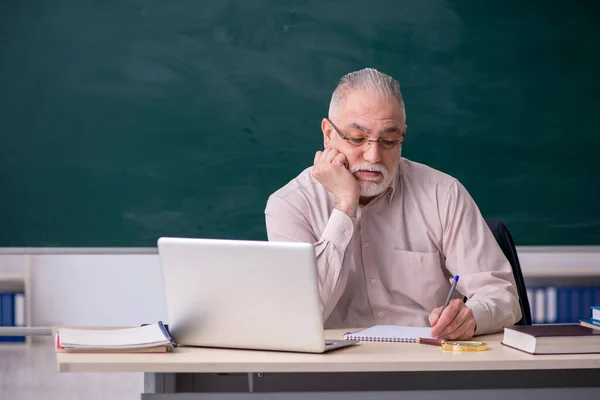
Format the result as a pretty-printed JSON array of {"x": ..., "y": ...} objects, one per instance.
[
  {"x": 151, "y": 338},
  {"x": 390, "y": 333}
]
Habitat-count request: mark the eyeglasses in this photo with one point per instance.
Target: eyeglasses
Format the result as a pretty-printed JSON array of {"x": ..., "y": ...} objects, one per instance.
[{"x": 358, "y": 141}]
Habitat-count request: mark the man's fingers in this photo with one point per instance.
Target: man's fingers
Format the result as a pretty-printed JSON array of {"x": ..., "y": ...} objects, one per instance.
[
  {"x": 324, "y": 155},
  {"x": 468, "y": 335},
  {"x": 434, "y": 316},
  {"x": 318, "y": 155},
  {"x": 459, "y": 325},
  {"x": 464, "y": 332},
  {"x": 454, "y": 335},
  {"x": 332, "y": 155},
  {"x": 446, "y": 318},
  {"x": 342, "y": 160},
  {"x": 463, "y": 323}
]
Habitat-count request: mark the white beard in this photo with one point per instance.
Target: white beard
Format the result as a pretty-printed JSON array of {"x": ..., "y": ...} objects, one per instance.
[{"x": 371, "y": 188}]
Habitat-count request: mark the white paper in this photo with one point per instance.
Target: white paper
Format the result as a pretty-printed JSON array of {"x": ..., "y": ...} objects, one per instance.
[
  {"x": 143, "y": 336},
  {"x": 396, "y": 332}
]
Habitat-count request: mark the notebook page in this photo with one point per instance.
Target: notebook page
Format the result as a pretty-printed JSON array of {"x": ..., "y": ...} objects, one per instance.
[
  {"x": 128, "y": 337},
  {"x": 393, "y": 332}
]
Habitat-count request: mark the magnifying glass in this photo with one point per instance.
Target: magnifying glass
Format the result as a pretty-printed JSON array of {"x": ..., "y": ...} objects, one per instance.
[
  {"x": 464, "y": 346},
  {"x": 458, "y": 345}
]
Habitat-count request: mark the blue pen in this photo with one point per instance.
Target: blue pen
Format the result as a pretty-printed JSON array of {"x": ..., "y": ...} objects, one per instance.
[{"x": 452, "y": 287}]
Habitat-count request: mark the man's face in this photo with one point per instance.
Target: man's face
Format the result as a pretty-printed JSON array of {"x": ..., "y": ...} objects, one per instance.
[{"x": 371, "y": 117}]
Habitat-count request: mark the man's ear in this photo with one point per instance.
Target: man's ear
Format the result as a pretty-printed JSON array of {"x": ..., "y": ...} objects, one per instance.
[{"x": 326, "y": 129}]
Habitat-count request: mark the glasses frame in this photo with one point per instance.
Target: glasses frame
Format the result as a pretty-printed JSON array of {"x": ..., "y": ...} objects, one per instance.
[{"x": 367, "y": 140}]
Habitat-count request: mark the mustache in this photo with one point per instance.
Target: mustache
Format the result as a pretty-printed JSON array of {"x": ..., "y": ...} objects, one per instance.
[{"x": 368, "y": 167}]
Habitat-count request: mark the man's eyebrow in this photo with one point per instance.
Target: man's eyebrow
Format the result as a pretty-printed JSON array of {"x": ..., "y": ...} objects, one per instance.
[
  {"x": 390, "y": 129},
  {"x": 361, "y": 128}
]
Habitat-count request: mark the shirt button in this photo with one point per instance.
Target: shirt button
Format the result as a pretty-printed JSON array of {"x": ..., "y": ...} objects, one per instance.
[
  {"x": 348, "y": 233},
  {"x": 380, "y": 314},
  {"x": 366, "y": 244},
  {"x": 373, "y": 281}
]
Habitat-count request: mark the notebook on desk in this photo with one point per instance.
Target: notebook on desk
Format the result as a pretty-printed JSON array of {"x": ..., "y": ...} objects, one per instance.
[
  {"x": 390, "y": 333},
  {"x": 152, "y": 338}
]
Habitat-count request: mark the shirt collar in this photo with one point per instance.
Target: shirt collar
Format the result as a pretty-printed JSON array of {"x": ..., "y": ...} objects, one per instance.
[{"x": 391, "y": 190}]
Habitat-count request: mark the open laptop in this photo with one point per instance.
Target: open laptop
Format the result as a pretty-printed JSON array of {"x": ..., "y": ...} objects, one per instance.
[{"x": 243, "y": 294}]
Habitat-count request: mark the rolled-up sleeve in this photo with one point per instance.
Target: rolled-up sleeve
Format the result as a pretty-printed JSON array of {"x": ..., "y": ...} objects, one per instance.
[
  {"x": 471, "y": 251},
  {"x": 286, "y": 223}
]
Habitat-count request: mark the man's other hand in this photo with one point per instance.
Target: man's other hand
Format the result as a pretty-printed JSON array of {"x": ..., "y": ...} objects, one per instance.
[{"x": 331, "y": 170}]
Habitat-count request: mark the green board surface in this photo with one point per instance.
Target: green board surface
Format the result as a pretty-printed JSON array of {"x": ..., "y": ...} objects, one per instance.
[{"x": 123, "y": 121}]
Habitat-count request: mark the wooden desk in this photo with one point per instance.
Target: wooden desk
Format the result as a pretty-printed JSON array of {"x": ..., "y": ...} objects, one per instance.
[{"x": 366, "y": 366}]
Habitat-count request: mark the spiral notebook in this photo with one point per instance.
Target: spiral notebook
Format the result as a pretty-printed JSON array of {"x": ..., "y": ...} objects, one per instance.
[{"x": 390, "y": 333}]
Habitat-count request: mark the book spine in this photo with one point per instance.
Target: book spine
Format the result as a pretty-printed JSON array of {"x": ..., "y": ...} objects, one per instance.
[
  {"x": 8, "y": 313},
  {"x": 19, "y": 309},
  {"x": 595, "y": 306},
  {"x": 12, "y": 313},
  {"x": 551, "y": 307},
  {"x": 575, "y": 303},
  {"x": 563, "y": 299},
  {"x": 2, "y": 338},
  {"x": 165, "y": 332},
  {"x": 19, "y": 314},
  {"x": 540, "y": 306},
  {"x": 588, "y": 300}
]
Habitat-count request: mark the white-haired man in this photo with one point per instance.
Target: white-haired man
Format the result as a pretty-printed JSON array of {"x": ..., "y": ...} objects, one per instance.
[{"x": 390, "y": 233}]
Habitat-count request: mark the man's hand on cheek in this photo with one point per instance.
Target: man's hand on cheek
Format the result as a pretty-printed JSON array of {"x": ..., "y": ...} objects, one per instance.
[{"x": 331, "y": 170}]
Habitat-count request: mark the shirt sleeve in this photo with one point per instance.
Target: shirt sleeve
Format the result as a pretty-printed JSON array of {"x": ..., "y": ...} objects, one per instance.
[
  {"x": 471, "y": 251},
  {"x": 286, "y": 223}
]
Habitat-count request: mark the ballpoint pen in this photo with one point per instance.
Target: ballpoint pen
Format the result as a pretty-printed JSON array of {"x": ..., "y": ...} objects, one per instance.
[
  {"x": 453, "y": 345},
  {"x": 449, "y": 294},
  {"x": 435, "y": 341}
]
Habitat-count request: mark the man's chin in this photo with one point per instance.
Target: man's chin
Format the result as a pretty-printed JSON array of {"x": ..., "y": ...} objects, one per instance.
[
  {"x": 366, "y": 183},
  {"x": 371, "y": 189}
]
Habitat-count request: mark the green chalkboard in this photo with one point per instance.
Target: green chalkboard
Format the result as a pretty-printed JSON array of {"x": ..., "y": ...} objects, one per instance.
[{"x": 122, "y": 121}]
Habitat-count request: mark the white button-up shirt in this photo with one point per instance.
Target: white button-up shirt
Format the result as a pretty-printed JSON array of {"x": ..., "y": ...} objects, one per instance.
[{"x": 393, "y": 262}]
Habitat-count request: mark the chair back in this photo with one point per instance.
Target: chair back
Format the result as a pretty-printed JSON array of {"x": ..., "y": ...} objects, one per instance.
[{"x": 506, "y": 243}]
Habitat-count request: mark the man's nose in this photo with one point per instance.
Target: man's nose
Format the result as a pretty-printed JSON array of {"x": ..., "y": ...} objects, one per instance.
[{"x": 372, "y": 153}]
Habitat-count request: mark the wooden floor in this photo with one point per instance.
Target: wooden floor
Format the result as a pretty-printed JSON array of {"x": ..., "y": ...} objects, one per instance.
[{"x": 31, "y": 373}]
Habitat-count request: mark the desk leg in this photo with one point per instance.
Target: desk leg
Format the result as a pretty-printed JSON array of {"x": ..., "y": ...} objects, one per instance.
[{"x": 159, "y": 383}]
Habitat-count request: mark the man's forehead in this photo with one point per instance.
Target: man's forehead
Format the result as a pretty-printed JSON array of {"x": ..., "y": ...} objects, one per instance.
[
  {"x": 370, "y": 106},
  {"x": 389, "y": 127},
  {"x": 364, "y": 120}
]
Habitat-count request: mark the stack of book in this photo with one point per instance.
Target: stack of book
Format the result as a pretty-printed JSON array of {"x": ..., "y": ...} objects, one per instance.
[
  {"x": 153, "y": 338},
  {"x": 12, "y": 311},
  {"x": 593, "y": 322},
  {"x": 561, "y": 304}
]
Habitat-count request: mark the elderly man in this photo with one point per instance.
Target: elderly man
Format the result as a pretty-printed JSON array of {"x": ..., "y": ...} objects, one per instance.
[{"x": 389, "y": 234}]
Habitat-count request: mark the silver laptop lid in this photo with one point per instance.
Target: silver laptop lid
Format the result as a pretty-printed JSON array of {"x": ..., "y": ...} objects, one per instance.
[{"x": 242, "y": 294}]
